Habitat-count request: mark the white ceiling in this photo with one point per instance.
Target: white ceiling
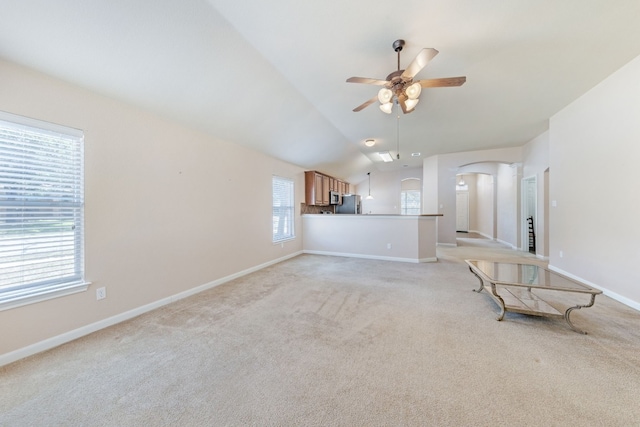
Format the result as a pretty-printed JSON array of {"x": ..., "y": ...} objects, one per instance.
[{"x": 271, "y": 75}]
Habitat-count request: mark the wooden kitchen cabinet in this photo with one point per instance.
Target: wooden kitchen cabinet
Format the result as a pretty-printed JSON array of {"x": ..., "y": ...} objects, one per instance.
[
  {"x": 325, "y": 190},
  {"x": 318, "y": 186}
]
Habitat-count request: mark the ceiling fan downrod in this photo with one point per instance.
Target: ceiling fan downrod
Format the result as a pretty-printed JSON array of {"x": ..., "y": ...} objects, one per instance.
[{"x": 397, "y": 46}]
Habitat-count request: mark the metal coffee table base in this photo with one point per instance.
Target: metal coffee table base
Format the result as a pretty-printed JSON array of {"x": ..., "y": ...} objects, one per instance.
[{"x": 517, "y": 297}]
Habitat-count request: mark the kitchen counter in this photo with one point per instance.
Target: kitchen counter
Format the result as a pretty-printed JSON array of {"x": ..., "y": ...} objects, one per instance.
[{"x": 407, "y": 238}]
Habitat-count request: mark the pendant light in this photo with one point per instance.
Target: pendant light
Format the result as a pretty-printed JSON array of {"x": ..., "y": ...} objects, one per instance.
[
  {"x": 461, "y": 183},
  {"x": 369, "y": 197}
]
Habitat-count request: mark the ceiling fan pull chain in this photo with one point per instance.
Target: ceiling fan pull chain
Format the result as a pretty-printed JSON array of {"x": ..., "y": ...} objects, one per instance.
[{"x": 398, "y": 131}]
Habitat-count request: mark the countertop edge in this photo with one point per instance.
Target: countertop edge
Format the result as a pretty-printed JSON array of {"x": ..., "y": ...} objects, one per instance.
[{"x": 374, "y": 215}]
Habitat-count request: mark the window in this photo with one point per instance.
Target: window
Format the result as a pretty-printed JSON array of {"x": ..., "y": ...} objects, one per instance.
[
  {"x": 410, "y": 202},
  {"x": 282, "y": 209},
  {"x": 41, "y": 211}
]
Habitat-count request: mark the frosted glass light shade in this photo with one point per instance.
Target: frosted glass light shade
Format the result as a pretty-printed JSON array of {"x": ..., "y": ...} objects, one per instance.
[
  {"x": 384, "y": 95},
  {"x": 387, "y": 107},
  {"x": 411, "y": 103},
  {"x": 413, "y": 91}
]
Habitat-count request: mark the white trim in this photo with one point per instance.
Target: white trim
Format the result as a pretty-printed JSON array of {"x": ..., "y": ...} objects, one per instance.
[
  {"x": 41, "y": 124},
  {"x": 66, "y": 337},
  {"x": 382, "y": 258},
  {"x": 624, "y": 300},
  {"x": 524, "y": 224},
  {"x": 21, "y": 298},
  {"x": 451, "y": 245},
  {"x": 486, "y": 236}
]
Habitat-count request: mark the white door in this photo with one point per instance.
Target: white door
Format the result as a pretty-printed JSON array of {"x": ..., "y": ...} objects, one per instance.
[{"x": 462, "y": 211}]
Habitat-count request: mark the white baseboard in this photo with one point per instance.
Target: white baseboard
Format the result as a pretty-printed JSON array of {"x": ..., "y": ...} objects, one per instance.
[
  {"x": 486, "y": 236},
  {"x": 52, "y": 342},
  {"x": 364, "y": 256},
  {"x": 453, "y": 245},
  {"x": 624, "y": 300}
]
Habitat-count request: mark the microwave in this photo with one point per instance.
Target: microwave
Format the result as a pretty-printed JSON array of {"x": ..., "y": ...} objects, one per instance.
[{"x": 334, "y": 198}]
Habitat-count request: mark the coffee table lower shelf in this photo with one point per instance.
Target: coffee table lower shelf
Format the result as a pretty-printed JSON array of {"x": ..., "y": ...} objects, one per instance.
[{"x": 526, "y": 302}]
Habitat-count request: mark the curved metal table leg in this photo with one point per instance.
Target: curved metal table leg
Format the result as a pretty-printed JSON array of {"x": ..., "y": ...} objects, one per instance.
[
  {"x": 481, "y": 282},
  {"x": 500, "y": 301},
  {"x": 569, "y": 310}
]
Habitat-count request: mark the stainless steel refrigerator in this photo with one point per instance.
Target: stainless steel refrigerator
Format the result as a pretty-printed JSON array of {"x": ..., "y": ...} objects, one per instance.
[{"x": 350, "y": 205}]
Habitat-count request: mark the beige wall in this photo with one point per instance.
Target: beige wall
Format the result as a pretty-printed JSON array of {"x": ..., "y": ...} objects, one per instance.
[
  {"x": 385, "y": 189},
  {"x": 167, "y": 209},
  {"x": 594, "y": 148},
  {"x": 485, "y": 205},
  {"x": 472, "y": 184},
  {"x": 535, "y": 163},
  {"x": 440, "y": 189},
  {"x": 507, "y": 202}
]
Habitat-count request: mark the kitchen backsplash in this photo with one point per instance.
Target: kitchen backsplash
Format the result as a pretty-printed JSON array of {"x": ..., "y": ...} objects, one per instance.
[{"x": 311, "y": 209}]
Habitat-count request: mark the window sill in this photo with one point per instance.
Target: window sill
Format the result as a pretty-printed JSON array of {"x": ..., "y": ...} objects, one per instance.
[
  {"x": 18, "y": 298},
  {"x": 288, "y": 239}
]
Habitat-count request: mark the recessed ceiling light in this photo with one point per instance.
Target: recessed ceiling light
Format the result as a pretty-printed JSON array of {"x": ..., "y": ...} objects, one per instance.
[
  {"x": 370, "y": 142},
  {"x": 415, "y": 154},
  {"x": 385, "y": 156}
]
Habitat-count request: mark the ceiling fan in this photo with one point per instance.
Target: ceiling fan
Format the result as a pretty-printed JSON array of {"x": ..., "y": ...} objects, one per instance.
[{"x": 399, "y": 86}]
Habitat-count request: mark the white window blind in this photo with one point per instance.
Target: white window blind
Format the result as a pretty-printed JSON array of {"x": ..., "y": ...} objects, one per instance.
[
  {"x": 410, "y": 202},
  {"x": 283, "y": 209},
  {"x": 41, "y": 211}
]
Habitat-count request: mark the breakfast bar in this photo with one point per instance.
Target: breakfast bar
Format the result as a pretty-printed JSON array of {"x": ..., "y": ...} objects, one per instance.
[{"x": 406, "y": 238}]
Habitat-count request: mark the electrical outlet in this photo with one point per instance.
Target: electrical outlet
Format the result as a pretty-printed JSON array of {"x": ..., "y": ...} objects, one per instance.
[
  {"x": 561, "y": 254},
  {"x": 388, "y": 245},
  {"x": 101, "y": 293}
]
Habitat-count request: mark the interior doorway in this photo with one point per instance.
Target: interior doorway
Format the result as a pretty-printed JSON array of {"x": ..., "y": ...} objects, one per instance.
[
  {"x": 462, "y": 211},
  {"x": 529, "y": 214}
]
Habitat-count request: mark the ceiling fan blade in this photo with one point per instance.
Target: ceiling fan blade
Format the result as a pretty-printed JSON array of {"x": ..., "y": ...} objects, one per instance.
[
  {"x": 444, "y": 82},
  {"x": 365, "y": 104},
  {"x": 366, "y": 80},
  {"x": 419, "y": 62}
]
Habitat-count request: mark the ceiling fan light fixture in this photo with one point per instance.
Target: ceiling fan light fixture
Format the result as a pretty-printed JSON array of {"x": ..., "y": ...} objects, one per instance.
[
  {"x": 385, "y": 95},
  {"x": 400, "y": 84},
  {"x": 413, "y": 91},
  {"x": 385, "y": 156},
  {"x": 411, "y": 103},
  {"x": 387, "y": 107}
]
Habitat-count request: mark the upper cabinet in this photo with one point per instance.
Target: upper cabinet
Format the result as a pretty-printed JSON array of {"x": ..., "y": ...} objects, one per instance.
[{"x": 319, "y": 186}]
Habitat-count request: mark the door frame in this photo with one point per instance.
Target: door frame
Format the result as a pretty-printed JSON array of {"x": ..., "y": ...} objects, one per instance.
[{"x": 529, "y": 198}]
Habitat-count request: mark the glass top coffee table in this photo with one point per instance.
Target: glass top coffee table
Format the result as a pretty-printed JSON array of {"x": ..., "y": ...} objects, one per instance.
[{"x": 512, "y": 286}]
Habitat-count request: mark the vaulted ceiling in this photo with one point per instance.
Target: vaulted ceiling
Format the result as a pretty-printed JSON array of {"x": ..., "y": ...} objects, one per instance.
[{"x": 271, "y": 75}]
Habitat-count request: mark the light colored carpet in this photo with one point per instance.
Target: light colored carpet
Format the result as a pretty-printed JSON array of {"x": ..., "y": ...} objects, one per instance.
[{"x": 329, "y": 341}]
